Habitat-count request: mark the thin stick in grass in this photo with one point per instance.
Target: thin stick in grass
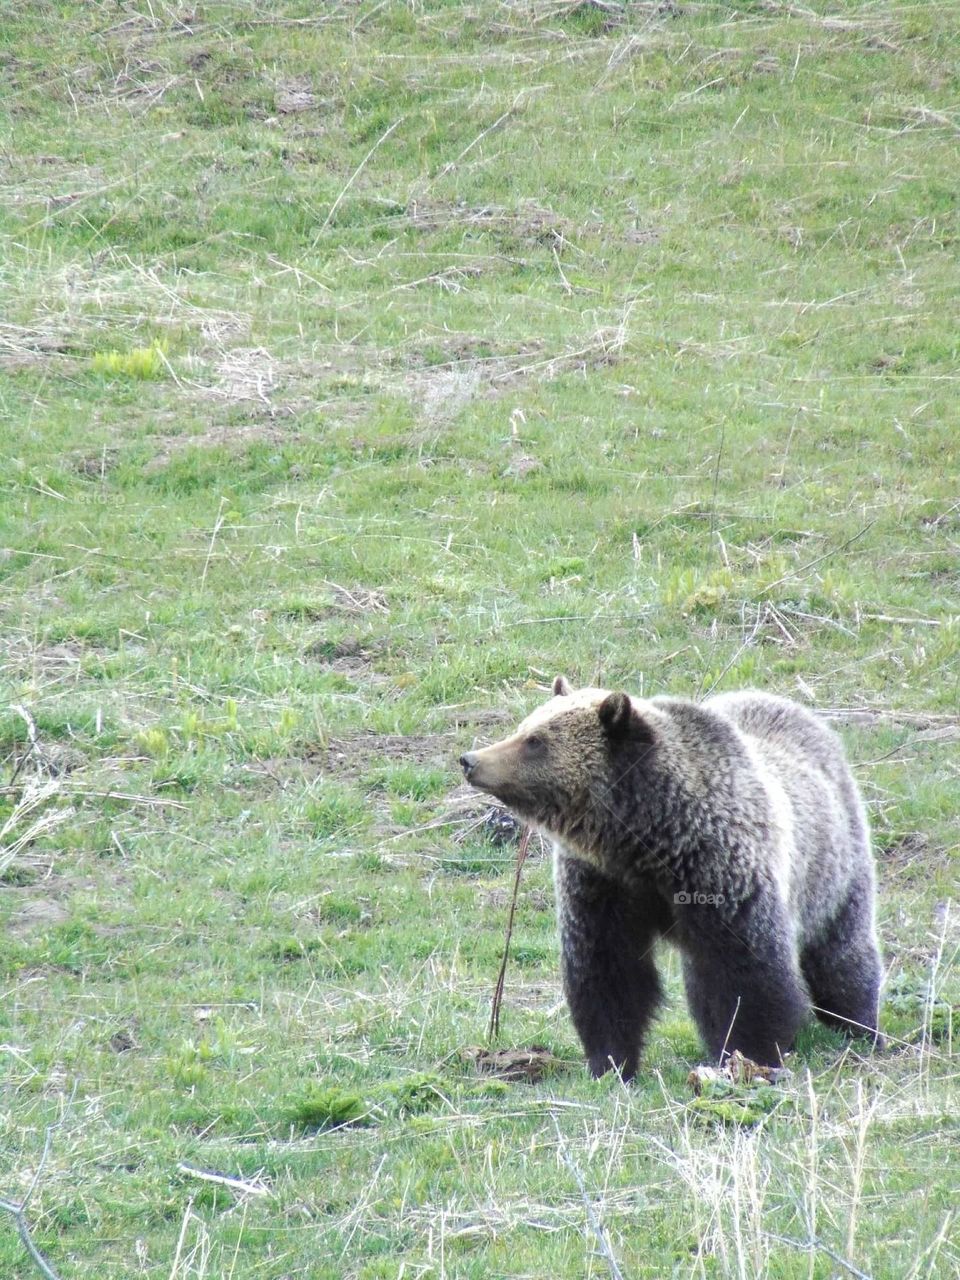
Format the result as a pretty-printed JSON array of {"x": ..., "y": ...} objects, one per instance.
[
  {"x": 493, "y": 1030},
  {"x": 18, "y": 1210},
  {"x": 352, "y": 179},
  {"x": 213, "y": 539}
]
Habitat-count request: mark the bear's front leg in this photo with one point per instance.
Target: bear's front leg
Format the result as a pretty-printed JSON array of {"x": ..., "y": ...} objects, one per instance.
[{"x": 609, "y": 977}]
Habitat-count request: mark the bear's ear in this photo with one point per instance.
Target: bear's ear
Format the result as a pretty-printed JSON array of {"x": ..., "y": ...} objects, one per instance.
[
  {"x": 618, "y": 719},
  {"x": 562, "y": 687},
  {"x": 615, "y": 713}
]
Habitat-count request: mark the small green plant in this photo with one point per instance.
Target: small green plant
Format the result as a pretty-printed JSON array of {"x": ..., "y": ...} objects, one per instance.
[
  {"x": 328, "y": 1106},
  {"x": 75, "y": 947},
  {"x": 288, "y": 721},
  {"x": 182, "y": 772},
  {"x": 153, "y": 742},
  {"x": 140, "y": 364},
  {"x": 563, "y": 568},
  {"x": 291, "y": 949},
  {"x": 189, "y": 1065},
  {"x": 921, "y": 1011},
  {"x": 404, "y": 813},
  {"x": 698, "y": 594},
  {"x": 187, "y": 1070},
  {"x": 418, "y": 1093},
  {"x": 341, "y": 911}
]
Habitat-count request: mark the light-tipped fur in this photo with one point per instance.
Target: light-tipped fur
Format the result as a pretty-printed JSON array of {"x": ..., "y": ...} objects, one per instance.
[{"x": 733, "y": 828}]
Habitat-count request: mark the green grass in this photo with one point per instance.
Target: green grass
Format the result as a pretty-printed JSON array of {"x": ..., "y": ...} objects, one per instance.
[
  {"x": 140, "y": 363},
  {"x": 362, "y": 367}
]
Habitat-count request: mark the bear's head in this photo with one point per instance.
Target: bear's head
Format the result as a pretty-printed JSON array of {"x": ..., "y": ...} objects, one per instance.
[{"x": 561, "y": 769}]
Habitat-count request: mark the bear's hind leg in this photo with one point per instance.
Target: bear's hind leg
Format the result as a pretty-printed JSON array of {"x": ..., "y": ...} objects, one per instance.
[
  {"x": 609, "y": 977},
  {"x": 844, "y": 971},
  {"x": 745, "y": 995}
]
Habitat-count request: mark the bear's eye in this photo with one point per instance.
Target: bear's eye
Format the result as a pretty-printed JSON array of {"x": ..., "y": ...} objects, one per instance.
[{"x": 535, "y": 742}]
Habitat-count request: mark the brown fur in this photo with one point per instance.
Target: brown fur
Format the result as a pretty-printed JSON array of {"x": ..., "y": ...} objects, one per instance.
[{"x": 733, "y": 828}]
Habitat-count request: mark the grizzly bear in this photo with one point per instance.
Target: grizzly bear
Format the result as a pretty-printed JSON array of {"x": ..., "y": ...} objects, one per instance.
[{"x": 732, "y": 828}]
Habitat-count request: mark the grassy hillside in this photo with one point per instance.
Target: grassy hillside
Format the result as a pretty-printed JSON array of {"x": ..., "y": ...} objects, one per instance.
[{"x": 363, "y": 365}]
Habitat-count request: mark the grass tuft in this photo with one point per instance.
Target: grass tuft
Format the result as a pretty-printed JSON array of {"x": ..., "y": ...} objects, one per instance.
[
  {"x": 140, "y": 364},
  {"x": 328, "y": 1107}
]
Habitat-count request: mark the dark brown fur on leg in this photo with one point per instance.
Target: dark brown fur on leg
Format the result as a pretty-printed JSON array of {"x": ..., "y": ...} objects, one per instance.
[
  {"x": 844, "y": 971},
  {"x": 609, "y": 977},
  {"x": 745, "y": 997}
]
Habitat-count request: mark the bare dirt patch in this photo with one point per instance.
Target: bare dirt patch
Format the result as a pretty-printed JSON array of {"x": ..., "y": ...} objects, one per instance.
[
  {"x": 328, "y": 651},
  {"x": 358, "y": 599},
  {"x": 942, "y": 521},
  {"x": 294, "y": 96},
  {"x": 58, "y": 759},
  {"x": 350, "y": 656},
  {"x": 475, "y": 366},
  {"x": 439, "y": 393},
  {"x": 470, "y": 348},
  {"x": 23, "y": 349},
  {"x": 95, "y": 466},
  {"x": 37, "y": 915},
  {"x": 23, "y": 658},
  {"x": 498, "y": 899},
  {"x": 481, "y": 716},
  {"x": 124, "y": 1040},
  {"x": 530, "y": 222},
  {"x": 357, "y": 667},
  {"x": 223, "y": 437},
  {"x": 350, "y": 757}
]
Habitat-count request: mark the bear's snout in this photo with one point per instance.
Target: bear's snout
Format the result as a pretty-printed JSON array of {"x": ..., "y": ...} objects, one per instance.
[{"x": 467, "y": 763}]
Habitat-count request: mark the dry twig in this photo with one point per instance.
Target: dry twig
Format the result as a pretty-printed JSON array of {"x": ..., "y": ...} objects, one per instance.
[
  {"x": 493, "y": 1029},
  {"x": 797, "y": 573},
  {"x": 240, "y": 1185},
  {"x": 353, "y": 177},
  {"x": 18, "y": 1210}
]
